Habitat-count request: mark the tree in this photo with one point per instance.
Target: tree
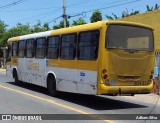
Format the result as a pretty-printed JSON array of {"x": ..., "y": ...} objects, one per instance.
[
  {"x": 112, "y": 18},
  {"x": 61, "y": 25},
  {"x": 46, "y": 27},
  {"x": 126, "y": 13},
  {"x": 96, "y": 16},
  {"x": 23, "y": 29},
  {"x": 37, "y": 27},
  {"x": 2, "y": 30},
  {"x": 15, "y": 31},
  {"x": 79, "y": 21},
  {"x": 156, "y": 7},
  {"x": 3, "y": 27}
]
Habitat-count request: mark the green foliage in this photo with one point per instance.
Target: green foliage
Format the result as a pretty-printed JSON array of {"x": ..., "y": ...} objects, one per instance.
[
  {"x": 126, "y": 13},
  {"x": 2, "y": 30},
  {"x": 21, "y": 29},
  {"x": 61, "y": 25},
  {"x": 79, "y": 21},
  {"x": 149, "y": 9},
  {"x": 112, "y": 18},
  {"x": 96, "y": 16},
  {"x": 15, "y": 31},
  {"x": 156, "y": 7},
  {"x": 2, "y": 27},
  {"x": 46, "y": 27},
  {"x": 39, "y": 28}
]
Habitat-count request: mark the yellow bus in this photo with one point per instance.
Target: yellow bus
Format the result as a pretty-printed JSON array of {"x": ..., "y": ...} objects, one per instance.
[{"x": 107, "y": 57}]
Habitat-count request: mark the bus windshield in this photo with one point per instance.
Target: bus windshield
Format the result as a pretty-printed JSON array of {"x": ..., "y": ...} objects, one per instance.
[{"x": 129, "y": 38}]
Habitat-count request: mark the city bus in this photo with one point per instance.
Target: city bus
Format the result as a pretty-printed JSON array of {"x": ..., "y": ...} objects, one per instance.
[{"x": 101, "y": 58}]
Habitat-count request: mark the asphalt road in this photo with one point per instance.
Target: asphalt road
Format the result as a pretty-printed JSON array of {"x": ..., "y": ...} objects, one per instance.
[{"x": 32, "y": 99}]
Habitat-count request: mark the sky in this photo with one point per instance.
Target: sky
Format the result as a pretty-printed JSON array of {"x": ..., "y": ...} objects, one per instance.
[{"x": 30, "y": 11}]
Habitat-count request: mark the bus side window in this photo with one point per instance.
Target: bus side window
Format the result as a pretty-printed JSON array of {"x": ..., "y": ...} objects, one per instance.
[
  {"x": 21, "y": 48},
  {"x": 15, "y": 49},
  {"x": 8, "y": 53},
  {"x": 30, "y": 48},
  {"x": 68, "y": 46},
  {"x": 53, "y": 47},
  {"x": 40, "y": 47},
  {"x": 88, "y": 44}
]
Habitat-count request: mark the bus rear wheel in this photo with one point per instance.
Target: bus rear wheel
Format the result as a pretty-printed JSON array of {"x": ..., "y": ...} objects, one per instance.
[{"x": 51, "y": 85}]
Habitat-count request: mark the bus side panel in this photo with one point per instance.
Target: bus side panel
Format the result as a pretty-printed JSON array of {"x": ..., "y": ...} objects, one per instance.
[
  {"x": 21, "y": 69},
  {"x": 86, "y": 81},
  {"x": 9, "y": 72},
  {"x": 10, "y": 66},
  {"x": 65, "y": 79},
  {"x": 35, "y": 71},
  {"x": 68, "y": 81}
]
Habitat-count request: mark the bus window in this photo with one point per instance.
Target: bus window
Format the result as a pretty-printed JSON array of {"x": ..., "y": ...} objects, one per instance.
[
  {"x": 21, "y": 48},
  {"x": 139, "y": 42},
  {"x": 30, "y": 48},
  {"x": 53, "y": 47},
  {"x": 134, "y": 38},
  {"x": 8, "y": 53},
  {"x": 14, "y": 49},
  {"x": 88, "y": 45},
  {"x": 40, "y": 47},
  {"x": 68, "y": 46}
]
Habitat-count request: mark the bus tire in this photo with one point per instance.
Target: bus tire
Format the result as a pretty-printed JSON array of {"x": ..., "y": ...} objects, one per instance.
[
  {"x": 15, "y": 76},
  {"x": 51, "y": 85}
]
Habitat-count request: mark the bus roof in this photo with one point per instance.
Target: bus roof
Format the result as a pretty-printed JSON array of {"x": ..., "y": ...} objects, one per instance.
[
  {"x": 130, "y": 23},
  {"x": 90, "y": 26}
]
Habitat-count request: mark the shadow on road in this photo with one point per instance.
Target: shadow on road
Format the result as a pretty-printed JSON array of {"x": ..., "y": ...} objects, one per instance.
[{"x": 93, "y": 102}]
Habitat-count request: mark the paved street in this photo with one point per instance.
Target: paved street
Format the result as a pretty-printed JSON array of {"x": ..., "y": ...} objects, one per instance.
[{"x": 31, "y": 99}]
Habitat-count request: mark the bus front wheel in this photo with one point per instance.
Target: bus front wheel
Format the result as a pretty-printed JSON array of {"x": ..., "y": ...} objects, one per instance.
[
  {"x": 51, "y": 85},
  {"x": 15, "y": 76}
]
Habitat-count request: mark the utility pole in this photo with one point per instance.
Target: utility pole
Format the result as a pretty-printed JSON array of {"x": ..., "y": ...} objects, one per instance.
[{"x": 64, "y": 13}]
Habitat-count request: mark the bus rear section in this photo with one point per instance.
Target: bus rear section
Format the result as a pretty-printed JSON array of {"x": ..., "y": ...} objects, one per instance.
[{"x": 128, "y": 60}]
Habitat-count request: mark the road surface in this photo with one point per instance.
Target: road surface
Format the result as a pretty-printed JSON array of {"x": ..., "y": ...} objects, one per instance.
[{"x": 32, "y": 99}]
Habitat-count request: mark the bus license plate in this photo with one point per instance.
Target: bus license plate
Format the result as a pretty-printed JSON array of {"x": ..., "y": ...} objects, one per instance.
[{"x": 129, "y": 78}]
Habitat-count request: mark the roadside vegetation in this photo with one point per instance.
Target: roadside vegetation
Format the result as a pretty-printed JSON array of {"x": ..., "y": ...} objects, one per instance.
[{"x": 22, "y": 29}]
